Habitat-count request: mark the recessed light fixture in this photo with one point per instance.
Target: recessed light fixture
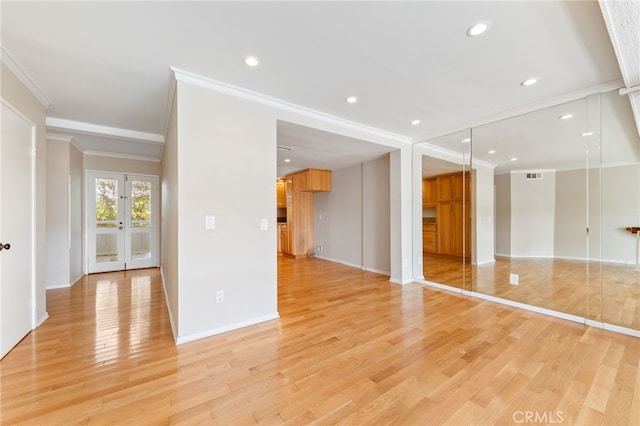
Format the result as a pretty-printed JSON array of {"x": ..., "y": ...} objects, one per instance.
[
  {"x": 492, "y": 151},
  {"x": 477, "y": 29},
  {"x": 415, "y": 122},
  {"x": 586, "y": 134},
  {"x": 287, "y": 160},
  {"x": 351, "y": 100},
  {"x": 251, "y": 61},
  {"x": 465, "y": 140},
  {"x": 514, "y": 158},
  {"x": 565, "y": 116},
  {"x": 529, "y": 82}
]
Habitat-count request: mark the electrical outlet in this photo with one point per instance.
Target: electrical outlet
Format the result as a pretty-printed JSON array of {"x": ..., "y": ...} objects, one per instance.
[
  {"x": 514, "y": 279},
  {"x": 219, "y": 296},
  {"x": 319, "y": 248}
]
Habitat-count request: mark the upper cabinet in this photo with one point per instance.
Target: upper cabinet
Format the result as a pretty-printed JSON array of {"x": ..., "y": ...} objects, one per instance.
[
  {"x": 453, "y": 187},
  {"x": 281, "y": 194},
  {"x": 312, "y": 180},
  {"x": 429, "y": 192}
]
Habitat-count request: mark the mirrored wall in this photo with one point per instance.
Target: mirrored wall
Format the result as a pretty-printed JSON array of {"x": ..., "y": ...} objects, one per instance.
[{"x": 547, "y": 201}]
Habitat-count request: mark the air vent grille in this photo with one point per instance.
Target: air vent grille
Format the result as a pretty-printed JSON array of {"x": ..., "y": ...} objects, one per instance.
[{"x": 533, "y": 175}]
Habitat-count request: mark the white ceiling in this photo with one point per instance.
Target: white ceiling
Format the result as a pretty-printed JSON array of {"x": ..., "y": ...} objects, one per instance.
[{"x": 105, "y": 66}]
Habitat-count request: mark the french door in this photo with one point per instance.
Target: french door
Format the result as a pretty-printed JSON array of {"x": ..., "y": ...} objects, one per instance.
[{"x": 122, "y": 220}]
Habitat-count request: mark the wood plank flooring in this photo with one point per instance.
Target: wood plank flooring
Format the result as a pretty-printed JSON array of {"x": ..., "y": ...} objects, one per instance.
[
  {"x": 349, "y": 348},
  {"x": 602, "y": 292}
]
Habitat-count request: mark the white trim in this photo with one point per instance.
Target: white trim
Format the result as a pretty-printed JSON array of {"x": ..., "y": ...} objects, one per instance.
[
  {"x": 42, "y": 319},
  {"x": 224, "y": 329},
  {"x": 240, "y": 92},
  {"x": 25, "y": 78},
  {"x": 94, "y": 129},
  {"x": 77, "y": 278},
  {"x": 395, "y": 280},
  {"x": 376, "y": 271},
  {"x": 118, "y": 155},
  {"x": 53, "y": 137},
  {"x": 167, "y": 112},
  {"x": 58, "y": 286}
]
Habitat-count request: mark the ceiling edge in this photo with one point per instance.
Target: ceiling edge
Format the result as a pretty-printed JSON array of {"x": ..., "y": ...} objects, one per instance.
[
  {"x": 240, "y": 92},
  {"x": 22, "y": 75}
]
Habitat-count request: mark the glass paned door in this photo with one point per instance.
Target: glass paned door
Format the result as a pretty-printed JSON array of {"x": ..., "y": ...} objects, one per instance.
[{"x": 122, "y": 221}]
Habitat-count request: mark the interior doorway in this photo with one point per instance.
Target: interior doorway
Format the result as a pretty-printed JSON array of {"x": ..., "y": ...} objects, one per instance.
[{"x": 122, "y": 221}]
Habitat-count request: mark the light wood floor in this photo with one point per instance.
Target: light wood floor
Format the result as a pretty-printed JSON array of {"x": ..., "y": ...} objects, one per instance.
[
  {"x": 603, "y": 292},
  {"x": 349, "y": 348}
]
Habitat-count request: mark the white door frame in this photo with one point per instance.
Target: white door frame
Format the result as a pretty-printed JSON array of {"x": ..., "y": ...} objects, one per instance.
[
  {"x": 32, "y": 302},
  {"x": 89, "y": 197}
]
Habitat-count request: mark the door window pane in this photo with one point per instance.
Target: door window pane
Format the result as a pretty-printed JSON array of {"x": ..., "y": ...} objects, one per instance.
[
  {"x": 140, "y": 204},
  {"x": 106, "y": 203},
  {"x": 106, "y": 248},
  {"x": 140, "y": 246}
]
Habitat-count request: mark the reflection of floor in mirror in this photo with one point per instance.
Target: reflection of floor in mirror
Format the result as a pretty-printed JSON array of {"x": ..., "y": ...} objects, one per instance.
[{"x": 570, "y": 286}]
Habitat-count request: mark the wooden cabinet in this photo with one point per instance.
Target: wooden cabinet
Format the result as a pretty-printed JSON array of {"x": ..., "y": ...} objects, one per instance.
[
  {"x": 453, "y": 187},
  {"x": 283, "y": 239},
  {"x": 312, "y": 180},
  {"x": 429, "y": 238},
  {"x": 281, "y": 194},
  {"x": 453, "y": 214},
  {"x": 429, "y": 192}
]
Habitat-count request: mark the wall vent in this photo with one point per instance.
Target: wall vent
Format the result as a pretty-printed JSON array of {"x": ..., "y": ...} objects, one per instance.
[
  {"x": 533, "y": 175},
  {"x": 284, "y": 148}
]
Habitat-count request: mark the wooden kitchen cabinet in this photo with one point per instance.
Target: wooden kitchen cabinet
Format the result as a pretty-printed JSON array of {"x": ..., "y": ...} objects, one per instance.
[
  {"x": 281, "y": 194},
  {"x": 453, "y": 232},
  {"x": 429, "y": 238},
  {"x": 312, "y": 180},
  {"x": 283, "y": 239},
  {"x": 454, "y": 187}
]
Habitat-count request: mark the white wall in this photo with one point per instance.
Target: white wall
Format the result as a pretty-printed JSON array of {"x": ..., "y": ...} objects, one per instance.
[
  {"x": 376, "y": 238},
  {"x": 226, "y": 153},
  {"x": 121, "y": 165},
  {"x": 169, "y": 219},
  {"x": 503, "y": 214},
  {"x": 338, "y": 217},
  {"x": 58, "y": 260},
  {"x": 352, "y": 222},
  {"x": 17, "y": 94},
  {"x": 76, "y": 252},
  {"x": 482, "y": 215},
  {"x": 532, "y": 215}
]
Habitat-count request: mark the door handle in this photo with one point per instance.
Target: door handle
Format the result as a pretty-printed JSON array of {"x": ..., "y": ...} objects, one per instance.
[
  {"x": 5, "y": 246},
  {"x": 121, "y": 227}
]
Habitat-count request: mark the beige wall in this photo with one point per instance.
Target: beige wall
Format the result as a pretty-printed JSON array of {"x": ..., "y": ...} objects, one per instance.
[
  {"x": 16, "y": 94},
  {"x": 77, "y": 250},
  {"x": 503, "y": 214},
  {"x": 376, "y": 208},
  {"x": 121, "y": 165},
  {"x": 169, "y": 219}
]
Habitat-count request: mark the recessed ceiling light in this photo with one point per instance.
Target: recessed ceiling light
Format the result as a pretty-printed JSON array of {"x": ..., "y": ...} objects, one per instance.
[
  {"x": 477, "y": 29},
  {"x": 251, "y": 61},
  {"x": 514, "y": 158},
  {"x": 492, "y": 151},
  {"x": 529, "y": 82},
  {"x": 287, "y": 160},
  {"x": 565, "y": 116},
  {"x": 586, "y": 134},
  {"x": 466, "y": 140},
  {"x": 415, "y": 122},
  {"x": 351, "y": 100}
]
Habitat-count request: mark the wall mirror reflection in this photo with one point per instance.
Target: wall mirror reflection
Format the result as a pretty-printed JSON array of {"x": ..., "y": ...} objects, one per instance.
[
  {"x": 566, "y": 188},
  {"x": 444, "y": 238}
]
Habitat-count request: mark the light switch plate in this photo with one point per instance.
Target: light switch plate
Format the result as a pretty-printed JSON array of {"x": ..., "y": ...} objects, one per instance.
[
  {"x": 264, "y": 224},
  {"x": 210, "y": 222}
]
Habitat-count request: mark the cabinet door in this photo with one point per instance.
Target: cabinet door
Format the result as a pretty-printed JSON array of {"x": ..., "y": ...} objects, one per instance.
[
  {"x": 281, "y": 199},
  {"x": 457, "y": 183},
  {"x": 445, "y": 191},
  {"x": 457, "y": 235},
  {"x": 429, "y": 192},
  {"x": 445, "y": 228}
]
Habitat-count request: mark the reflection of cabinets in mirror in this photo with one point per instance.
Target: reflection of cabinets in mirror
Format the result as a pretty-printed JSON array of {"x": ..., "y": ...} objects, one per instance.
[
  {"x": 446, "y": 236},
  {"x": 429, "y": 192}
]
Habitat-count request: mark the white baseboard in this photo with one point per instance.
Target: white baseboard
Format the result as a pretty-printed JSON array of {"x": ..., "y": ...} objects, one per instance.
[
  {"x": 42, "y": 319},
  {"x": 212, "y": 332},
  {"x": 57, "y": 286},
  {"x": 376, "y": 271},
  {"x": 353, "y": 265}
]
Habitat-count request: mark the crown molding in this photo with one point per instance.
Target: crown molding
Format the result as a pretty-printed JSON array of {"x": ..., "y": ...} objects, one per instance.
[
  {"x": 123, "y": 156},
  {"x": 25, "y": 78},
  {"x": 94, "y": 129},
  {"x": 58, "y": 138},
  {"x": 240, "y": 92}
]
